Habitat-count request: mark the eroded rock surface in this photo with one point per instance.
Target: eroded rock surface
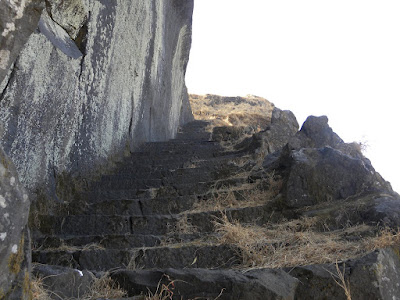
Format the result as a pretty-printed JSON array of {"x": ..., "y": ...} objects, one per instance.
[
  {"x": 64, "y": 113},
  {"x": 319, "y": 167},
  {"x": 209, "y": 284},
  {"x": 14, "y": 236},
  {"x": 18, "y": 19}
]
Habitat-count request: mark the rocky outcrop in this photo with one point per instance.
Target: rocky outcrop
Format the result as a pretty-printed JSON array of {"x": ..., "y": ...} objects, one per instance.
[
  {"x": 374, "y": 276},
  {"x": 98, "y": 79},
  {"x": 319, "y": 167},
  {"x": 14, "y": 236}
]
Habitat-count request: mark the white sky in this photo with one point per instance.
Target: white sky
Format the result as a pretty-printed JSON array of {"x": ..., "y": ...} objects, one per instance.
[{"x": 337, "y": 58}]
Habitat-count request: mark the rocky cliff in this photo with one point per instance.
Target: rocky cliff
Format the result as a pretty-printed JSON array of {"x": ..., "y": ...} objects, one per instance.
[
  {"x": 96, "y": 79},
  {"x": 82, "y": 82}
]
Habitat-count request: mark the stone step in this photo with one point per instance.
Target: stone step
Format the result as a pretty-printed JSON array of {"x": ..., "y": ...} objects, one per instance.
[
  {"x": 124, "y": 184},
  {"x": 167, "y": 173},
  {"x": 176, "y": 145},
  {"x": 199, "y": 136},
  {"x": 158, "y": 171},
  {"x": 100, "y": 193},
  {"x": 190, "y": 222},
  {"x": 122, "y": 241},
  {"x": 180, "y": 175},
  {"x": 162, "y": 205},
  {"x": 175, "y": 163},
  {"x": 173, "y": 149},
  {"x": 169, "y": 160},
  {"x": 192, "y": 255},
  {"x": 159, "y": 205}
]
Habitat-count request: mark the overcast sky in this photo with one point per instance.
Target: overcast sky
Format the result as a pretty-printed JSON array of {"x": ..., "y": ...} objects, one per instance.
[{"x": 315, "y": 57}]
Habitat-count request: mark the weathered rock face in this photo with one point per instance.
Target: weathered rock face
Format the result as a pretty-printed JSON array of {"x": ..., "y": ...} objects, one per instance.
[
  {"x": 63, "y": 282},
  {"x": 374, "y": 276},
  {"x": 209, "y": 284},
  {"x": 18, "y": 19},
  {"x": 320, "y": 167},
  {"x": 14, "y": 239},
  {"x": 63, "y": 112}
]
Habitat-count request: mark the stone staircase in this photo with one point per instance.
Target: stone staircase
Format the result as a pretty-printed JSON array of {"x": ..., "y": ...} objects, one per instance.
[
  {"x": 141, "y": 216},
  {"x": 152, "y": 225}
]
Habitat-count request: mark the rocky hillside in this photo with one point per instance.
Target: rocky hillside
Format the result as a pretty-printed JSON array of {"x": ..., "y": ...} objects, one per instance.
[
  {"x": 131, "y": 198},
  {"x": 282, "y": 214}
]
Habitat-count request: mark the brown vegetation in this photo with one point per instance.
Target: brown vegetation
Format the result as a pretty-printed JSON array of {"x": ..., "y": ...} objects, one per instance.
[
  {"x": 298, "y": 242},
  {"x": 246, "y": 111},
  {"x": 103, "y": 287}
]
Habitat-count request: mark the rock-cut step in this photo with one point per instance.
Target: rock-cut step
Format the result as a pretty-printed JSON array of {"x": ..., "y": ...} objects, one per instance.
[
  {"x": 110, "y": 241},
  {"x": 191, "y": 255},
  {"x": 153, "y": 225},
  {"x": 139, "y": 189}
]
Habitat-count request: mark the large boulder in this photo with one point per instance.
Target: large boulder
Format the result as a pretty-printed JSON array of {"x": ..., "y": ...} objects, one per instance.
[
  {"x": 315, "y": 133},
  {"x": 318, "y": 166},
  {"x": 282, "y": 128},
  {"x": 64, "y": 283},
  {"x": 275, "y": 136},
  {"x": 14, "y": 236},
  {"x": 374, "y": 276},
  {"x": 211, "y": 284},
  {"x": 325, "y": 174}
]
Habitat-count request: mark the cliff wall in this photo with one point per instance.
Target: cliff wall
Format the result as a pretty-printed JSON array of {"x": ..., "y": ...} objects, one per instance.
[
  {"x": 82, "y": 82},
  {"x": 96, "y": 79}
]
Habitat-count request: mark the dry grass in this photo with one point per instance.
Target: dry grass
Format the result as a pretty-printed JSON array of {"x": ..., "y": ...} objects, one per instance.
[
  {"x": 233, "y": 199},
  {"x": 38, "y": 290},
  {"x": 247, "y": 195},
  {"x": 181, "y": 228},
  {"x": 70, "y": 248},
  {"x": 103, "y": 287},
  {"x": 341, "y": 281},
  {"x": 250, "y": 111},
  {"x": 297, "y": 242},
  {"x": 163, "y": 291}
]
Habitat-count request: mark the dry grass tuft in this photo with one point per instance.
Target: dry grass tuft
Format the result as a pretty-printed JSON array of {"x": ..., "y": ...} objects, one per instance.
[
  {"x": 222, "y": 200},
  {"x": 70, "y": 248},
  {"x": 163, "y": 291},
  {"x": 341, "y": 281},
  {"x": 38, "y": 290},
  {"x": 105, "y": 287},
  {"x": 247, "y": 195},
  {"x": 296, "y": 242},
  {"x": 386, "y": 237},
  {"x": 181, "y": 228}
]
